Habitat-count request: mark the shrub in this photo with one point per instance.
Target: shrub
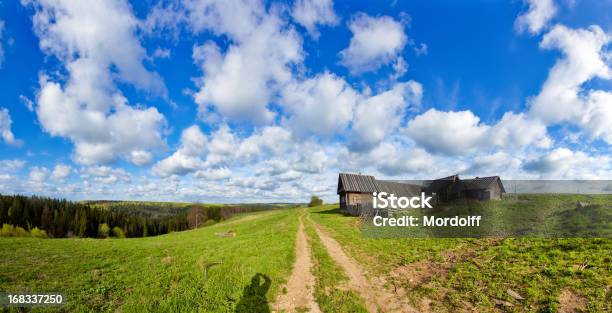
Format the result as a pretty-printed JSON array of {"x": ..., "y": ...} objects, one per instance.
[
  {"x": 20, "y": 232},
  {"x": 13, "y": 231},
  {"x": 6, "y": 231},
  {"x": 315, "y": 201},
  {"x": 118, "y": 232},
  {"x": 38, "y": 233},
  {"x": 103, "y": 230}
]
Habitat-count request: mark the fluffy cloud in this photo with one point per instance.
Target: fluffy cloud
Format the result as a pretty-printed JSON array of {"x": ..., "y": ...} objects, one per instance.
[
  {"x": 536, "y": 18},
  {"x": 376, "y": 41},
  {"x": 214, "y": 174},
  {"x": 460, "y": 133},
  {"x": 240, "y": 82},
  {"x": 5, "y": 128},
  {"x": 563, "y": 163},
  {"x": 377, "y": 116},
  {"x": 105, "y": 175},
  {"x": 222, "y": 148},
  {"x": 188, "y": 157},
  {"x": 499, "y": 163},
  {"x": 61, "y": 171},
  {"x": 7, "y": 166},
  {"x": 310, "y": 13},
  {"x": 390, "y": 158},
  {"x": 447, "y": 132},
  {"x": 518, "y": 130},
  {"x": 321, "y": 105},
  {"x": 563, "y": 97},
  {"x": 38, "y": 175},
  {"x": 88, "y": 108}
]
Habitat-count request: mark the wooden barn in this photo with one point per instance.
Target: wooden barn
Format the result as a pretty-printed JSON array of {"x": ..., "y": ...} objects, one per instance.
[
  {"x": 480, "y": 188},
  {"x": 355, "y": 190},
  {"x": 483, "y": 188}
]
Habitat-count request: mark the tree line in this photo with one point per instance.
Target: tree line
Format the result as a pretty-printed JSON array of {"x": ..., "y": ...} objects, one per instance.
[{"x": 61, "y": 218}]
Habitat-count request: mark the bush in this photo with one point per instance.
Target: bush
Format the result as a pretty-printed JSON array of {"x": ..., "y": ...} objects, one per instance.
[
  {"x": 13, "y": 231},
  {"x": 118, "y": 232},
  {"x": 6, "y": 231},
  {"x": 20, "y": 232},
  {"x": 38, "y": 233},
  {"x": 103, "y": 230},
  {"x": 315, "y": 201}
]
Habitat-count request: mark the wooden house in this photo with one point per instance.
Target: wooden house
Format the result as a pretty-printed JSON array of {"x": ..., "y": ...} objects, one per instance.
[
  {"x": 356, "y": 190},
  {"x": 452, "y": 188}
]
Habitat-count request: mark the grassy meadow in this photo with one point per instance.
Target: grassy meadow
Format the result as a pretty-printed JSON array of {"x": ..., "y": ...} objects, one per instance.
[
  {"x": 483, "y": 275},
  {"x": 212, "y": 270},
  {"x": 160, "y": 274}
]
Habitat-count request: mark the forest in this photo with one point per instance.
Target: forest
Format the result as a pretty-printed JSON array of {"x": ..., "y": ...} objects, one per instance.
[{"x": 59, "y": 218}]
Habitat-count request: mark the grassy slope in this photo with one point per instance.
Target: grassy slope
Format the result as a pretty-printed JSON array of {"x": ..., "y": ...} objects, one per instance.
[
  {"x": 536, "y": 268},
  {"x": 162, "y": 273}
]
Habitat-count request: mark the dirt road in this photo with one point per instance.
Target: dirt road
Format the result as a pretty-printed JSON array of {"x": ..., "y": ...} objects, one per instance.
[{"x": 300, "y": 286}]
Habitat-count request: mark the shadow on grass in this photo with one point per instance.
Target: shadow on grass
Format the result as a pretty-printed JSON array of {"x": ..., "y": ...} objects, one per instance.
[{"x": 254, "y": 295}]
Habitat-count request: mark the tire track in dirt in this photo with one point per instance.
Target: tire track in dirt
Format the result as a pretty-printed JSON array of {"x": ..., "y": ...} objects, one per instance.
[
  {"x": 301, "y": 283},
  {"x": 374, "y": 294}
]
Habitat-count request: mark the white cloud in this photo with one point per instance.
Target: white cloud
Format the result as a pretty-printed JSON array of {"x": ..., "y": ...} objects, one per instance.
[
  {"x": 61, "y": 171},
  {"x": 376, "y": 41},
  {"x": 7, "y": 166},
  {"x": 320, "y": 105},
  {"x": 205, "y": 155},
  {"x": 563, "y": 163},
  {"x": 563, "y": 97},
  {"x": 377, "y": 116},
  {"x": 518, "y": 130},
  {"x": 105, "y": 175},
  {"x": 461, "y": 132},
  {"x": 310, "y": 13},
  {"x": 5, "y": 128},
  {"x": 88, "y": 108},
  {"x": 38, "y": 175},
  {"x": 447, "y": 132},
  {"x": 240, "y": 83},
  {"x": 498, "y": 163},
  {"x": 214, "y": 174},
  {"x": 597, "y": 116},
  {"x": 29, "y": 104},
  {"x": 188, "y": 157},
  {"x": 400, "y": 161},
  {"x": 536, "y": 18}
]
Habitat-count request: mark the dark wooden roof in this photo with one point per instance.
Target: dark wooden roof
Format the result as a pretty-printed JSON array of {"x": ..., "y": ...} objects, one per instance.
[
  {"x": 452, "y": 177},
  {"x": 482, "y": 183},
  {"x": 397, "y": 188},
  {"x": 367, "y": 183},
  {"x": 437, "y": 185},
  {"x": 356, "y": 183}
]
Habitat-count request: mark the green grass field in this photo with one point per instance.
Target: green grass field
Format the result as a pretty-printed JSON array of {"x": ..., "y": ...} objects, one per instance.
[
  {"x": 160, "y": 274},
  {"x": 446, "y": 275},
  {"x": 178, "y": 272}
]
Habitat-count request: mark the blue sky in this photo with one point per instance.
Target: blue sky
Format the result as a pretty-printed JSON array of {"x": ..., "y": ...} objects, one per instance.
[{"x": 230, "y": 101}]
